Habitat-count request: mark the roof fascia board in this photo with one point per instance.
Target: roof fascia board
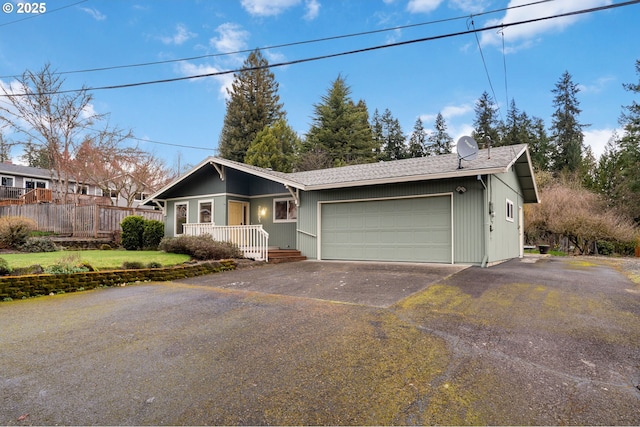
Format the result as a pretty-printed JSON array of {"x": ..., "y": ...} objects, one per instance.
[
  {"x": 258, "y": 173},
  {"x": 427, "y": 177},
  {"x": 525, "y": 151}
]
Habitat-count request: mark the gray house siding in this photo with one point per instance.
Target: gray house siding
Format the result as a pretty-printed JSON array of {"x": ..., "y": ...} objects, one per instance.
[{"x": 467, "y": 212}]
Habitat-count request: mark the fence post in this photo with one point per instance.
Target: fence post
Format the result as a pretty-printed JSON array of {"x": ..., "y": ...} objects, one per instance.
[{"x": 96, "y": 221}]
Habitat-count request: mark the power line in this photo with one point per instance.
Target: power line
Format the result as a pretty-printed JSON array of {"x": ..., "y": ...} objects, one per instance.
[
  {"x": 336, "y": 55},
  {"x": 298, "y": 43},
  {"x": 484, "y": 63}
]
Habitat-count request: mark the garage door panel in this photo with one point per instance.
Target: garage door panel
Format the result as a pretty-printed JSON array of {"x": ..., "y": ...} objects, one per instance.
[{"x": 417, "y": 229}]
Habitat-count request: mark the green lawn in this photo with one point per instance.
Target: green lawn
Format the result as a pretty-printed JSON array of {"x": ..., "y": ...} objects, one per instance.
[{"x": 101, "y": 260}]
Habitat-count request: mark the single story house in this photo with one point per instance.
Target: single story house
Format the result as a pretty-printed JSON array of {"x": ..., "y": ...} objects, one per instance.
[{"x": 430, "y": 209}]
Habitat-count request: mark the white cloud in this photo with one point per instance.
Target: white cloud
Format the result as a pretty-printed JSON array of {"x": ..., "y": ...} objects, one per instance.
[
  {"x": 267, "y": 7},
  {"x": 597, "y": 139},
  {"x": 313, "y": 9},
  {"x": 95, "y": 13},
  {"x": 597, "y": 86},
  {"x": 423, "y": 6},
  {"x": 522, "y": 36},
  {"x": 188, "y": 69},
  {"x": 449, "y": 112},
  {"x": 471, "y": 6},
  {"x": 181, "y": 35},
  {"x": 232, "y": 38}
]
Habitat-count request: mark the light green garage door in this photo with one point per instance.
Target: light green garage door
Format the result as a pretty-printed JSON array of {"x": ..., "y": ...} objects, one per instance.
[{"x": 415, "y": 229}]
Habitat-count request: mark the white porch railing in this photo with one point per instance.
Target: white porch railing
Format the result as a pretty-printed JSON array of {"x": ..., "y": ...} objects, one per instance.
[{"x": 252, "y": 240}]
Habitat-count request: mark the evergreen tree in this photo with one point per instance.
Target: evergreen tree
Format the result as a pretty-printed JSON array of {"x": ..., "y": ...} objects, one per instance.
[
  {"x": 5, "y": 149},
  {"x": 486, "y": 123},
  {"x": 253, "y": 104},
  {"x": 417, "y": 140},
  {"x": 274, "y": 147},
  {"x": 393, "y": 147},
  {"x": 567, "y": 137},
  {"x": 540, "y": 146},
  {"x": 623, "y": 160},
  {"x": 378, "y": 137},
  {"x": 440, "y": 141},
  {"x": 340, "y": 128}
]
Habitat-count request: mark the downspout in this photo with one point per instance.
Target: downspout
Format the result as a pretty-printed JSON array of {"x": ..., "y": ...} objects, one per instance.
[{"x": 485, "y": 221}]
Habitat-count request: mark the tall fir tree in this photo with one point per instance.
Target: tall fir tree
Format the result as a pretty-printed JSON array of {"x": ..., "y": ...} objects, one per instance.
[
  {"x": 340, "y": 129},
  {"x": 540, "y": 146},
  {"x": 618, "y": 168},
  {"x": 566, "y": 130},
  {"x": 486, "y": 123},
  {"x": 253, "y": 104},
  {"x": 274, "y": 147},
  {"x": 394, "y": 147},
  {"x": 440, "y": 142},
  {"x": 417, "y": 140}
]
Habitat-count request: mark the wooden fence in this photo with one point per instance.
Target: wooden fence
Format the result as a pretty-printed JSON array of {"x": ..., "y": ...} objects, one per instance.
[{"x": 78, "y": 221}]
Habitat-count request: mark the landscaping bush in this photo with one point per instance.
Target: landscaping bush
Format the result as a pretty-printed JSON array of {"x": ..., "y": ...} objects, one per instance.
[
  {"x": 105, "y": 247},
  {"x": 38, "y": 244},
  {"x": 15, "y": 230},
  {"x": 132, "y": 265},
  {"x": 68, "y": 264},
  {"x": 4, "y": 267},
  {"x": 152, "y": 234},
  {"x": 32, "y": 269},
  {"x": 132, "y": 232},
  {"x": 200, "y": 247}
]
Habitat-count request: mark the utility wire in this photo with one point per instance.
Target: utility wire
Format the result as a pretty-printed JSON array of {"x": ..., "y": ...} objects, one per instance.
[
  {"x": 486, "y": 70},
  {"x": 298, "y": 43},
  {"x": 336, "y": 55}
]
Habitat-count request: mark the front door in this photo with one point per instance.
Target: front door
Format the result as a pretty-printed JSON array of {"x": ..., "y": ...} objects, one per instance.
[{"x": 238, "y": 213}]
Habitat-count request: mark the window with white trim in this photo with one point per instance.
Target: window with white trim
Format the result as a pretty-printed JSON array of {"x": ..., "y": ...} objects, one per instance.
[
  {"x": 284, "y": 210},
  {"x": 30, "y": 184},
  {"x": 7, "y": 181},
  {"x": 510, "y": 214},
  {"x": 205, "y": 211},
  {"x": 181, "y": 211}
]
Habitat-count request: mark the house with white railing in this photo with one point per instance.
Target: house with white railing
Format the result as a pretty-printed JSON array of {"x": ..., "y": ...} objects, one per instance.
[{"x": 437, "y": 209}]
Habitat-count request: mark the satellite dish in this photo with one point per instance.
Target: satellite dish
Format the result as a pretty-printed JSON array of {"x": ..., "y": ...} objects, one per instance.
[{"x": 467, "y": 149}]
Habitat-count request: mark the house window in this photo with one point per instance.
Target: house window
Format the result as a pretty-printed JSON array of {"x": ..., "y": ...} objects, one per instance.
[
  {"x": 31, "y": 184},
  {"x": 7, "y": 181},
  {"x": 205, "y": 211},
  {"x": 510, "y": 210},
  {"x": 181, "y": 217},
  {"x": 82, "y": 189},
  {"x": 284, "y": 210}
]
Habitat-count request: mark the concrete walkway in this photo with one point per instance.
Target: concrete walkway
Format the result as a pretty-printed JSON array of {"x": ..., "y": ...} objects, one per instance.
[{"x": 539, "y": 341}]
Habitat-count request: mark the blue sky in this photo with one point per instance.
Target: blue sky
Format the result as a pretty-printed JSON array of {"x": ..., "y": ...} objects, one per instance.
[{"x": 416, "y": 80}]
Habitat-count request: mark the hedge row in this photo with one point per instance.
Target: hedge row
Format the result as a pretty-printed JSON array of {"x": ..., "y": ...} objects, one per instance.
[{"x": 17, "y": 287}]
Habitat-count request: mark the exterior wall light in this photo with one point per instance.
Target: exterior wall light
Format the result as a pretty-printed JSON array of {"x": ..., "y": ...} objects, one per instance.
[{"x": 461, "y": 189}]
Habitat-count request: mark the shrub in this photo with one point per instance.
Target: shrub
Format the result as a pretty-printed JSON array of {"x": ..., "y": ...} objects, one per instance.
[
  {"x": 154, "y": 264},
  {"x": 200, "y": 247},
  {"x": 32, "y": 269},
  {"x": 105, "y": 247},
  {"x": 132, "y": 265},
  {"x": 132, "y": 232},
  {"x": 68, "y": 264},
  {"x": 38, "y": 244},
  {"x": 4, "y": 267},
  {"x": 152, "y": 234},
  {"x": 15, "y": 230}
]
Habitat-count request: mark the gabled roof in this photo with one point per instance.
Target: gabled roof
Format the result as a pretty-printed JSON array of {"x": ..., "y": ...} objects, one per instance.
[{"x": 500, "y": 160}]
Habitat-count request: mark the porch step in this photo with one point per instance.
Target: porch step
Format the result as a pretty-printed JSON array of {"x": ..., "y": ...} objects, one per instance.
[{"x": 277, "y": 256}]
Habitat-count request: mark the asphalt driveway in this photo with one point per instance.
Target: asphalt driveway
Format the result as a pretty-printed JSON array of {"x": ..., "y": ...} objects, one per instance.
[{"x": 538, "y": 341}]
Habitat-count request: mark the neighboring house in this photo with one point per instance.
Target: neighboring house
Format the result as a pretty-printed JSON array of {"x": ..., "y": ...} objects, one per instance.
[
  {"x": 415, "y": 210},
  {"x": 17, "y": 180}
]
